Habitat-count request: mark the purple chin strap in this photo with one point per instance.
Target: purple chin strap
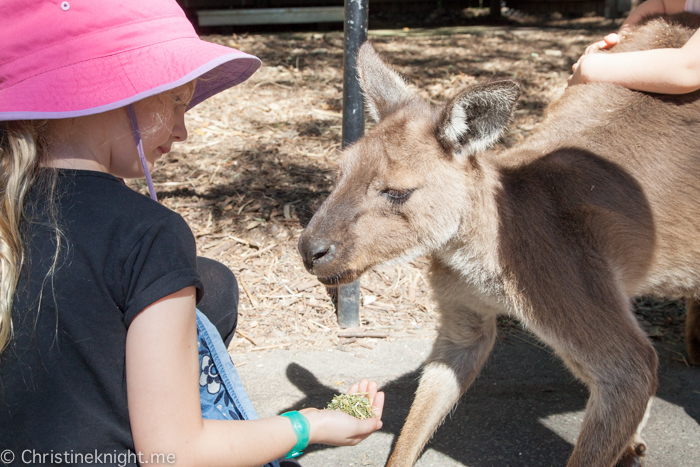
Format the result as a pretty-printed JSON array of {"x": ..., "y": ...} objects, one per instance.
[{"x": 139, "y": 146}]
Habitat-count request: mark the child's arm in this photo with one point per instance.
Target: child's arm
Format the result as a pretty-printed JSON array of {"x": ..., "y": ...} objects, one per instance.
[
  {"x": 162, "y": 371},
  {"x": 647, "y": 8},
  {"x": 666, "y": 71}
]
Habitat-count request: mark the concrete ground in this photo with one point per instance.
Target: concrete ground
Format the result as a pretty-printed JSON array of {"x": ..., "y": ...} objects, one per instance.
[{"x": 524, "y": 410}]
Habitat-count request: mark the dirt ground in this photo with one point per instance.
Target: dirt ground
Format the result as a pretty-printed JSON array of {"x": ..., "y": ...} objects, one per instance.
[{"x": 260, "y": 160}]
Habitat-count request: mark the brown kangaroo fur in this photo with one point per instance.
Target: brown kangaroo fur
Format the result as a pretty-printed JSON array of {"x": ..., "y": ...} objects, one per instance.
[{"x": 598, "y": 206}]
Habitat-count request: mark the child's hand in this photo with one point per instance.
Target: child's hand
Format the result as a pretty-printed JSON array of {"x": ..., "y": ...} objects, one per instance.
[
  {"x": 576, "y": 77},
  {"x": 376, "y": 399},
  {"x": 340, "y": 429},
  {"x": 608, "y": 42}
]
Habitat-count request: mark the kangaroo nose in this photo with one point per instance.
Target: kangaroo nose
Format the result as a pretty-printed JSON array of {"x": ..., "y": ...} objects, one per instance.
[{"x": 318, "y": 252}]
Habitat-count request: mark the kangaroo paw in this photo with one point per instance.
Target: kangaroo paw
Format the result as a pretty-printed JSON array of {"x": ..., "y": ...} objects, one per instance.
[{"x": 633, "y": 456}]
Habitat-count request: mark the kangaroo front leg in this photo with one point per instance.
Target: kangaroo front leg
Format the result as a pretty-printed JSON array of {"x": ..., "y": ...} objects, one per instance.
[{"x": 464, "y": 342}]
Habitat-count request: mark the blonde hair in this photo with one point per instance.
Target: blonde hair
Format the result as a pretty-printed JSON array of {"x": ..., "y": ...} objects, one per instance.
[{"x": 21, "y": 150}]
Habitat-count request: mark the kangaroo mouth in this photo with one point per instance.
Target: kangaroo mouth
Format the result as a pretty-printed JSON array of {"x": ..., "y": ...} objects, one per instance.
[{"x": 341, "y": 278}]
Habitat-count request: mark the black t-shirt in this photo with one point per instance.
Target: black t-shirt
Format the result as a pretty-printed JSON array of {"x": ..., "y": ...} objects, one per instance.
[{"x": 62, "y": 378}]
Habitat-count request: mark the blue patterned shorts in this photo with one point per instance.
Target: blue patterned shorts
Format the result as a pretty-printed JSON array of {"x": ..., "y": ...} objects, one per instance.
[{"x": 221, "y": 391}]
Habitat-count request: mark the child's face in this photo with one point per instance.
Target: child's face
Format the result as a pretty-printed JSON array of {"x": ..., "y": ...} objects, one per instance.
[
  {"x": 104, "y": 141},
  {"x": 161, "y": 122}
]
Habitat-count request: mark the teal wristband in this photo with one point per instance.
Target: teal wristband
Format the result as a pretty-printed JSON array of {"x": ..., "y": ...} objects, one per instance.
[{"x": 302, "y": 429}]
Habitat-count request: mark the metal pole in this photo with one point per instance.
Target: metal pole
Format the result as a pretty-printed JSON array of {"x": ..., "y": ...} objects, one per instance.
[
  {"x": 611, "y": 10},
  {"x": 353, "y": 129},
  {"x": 495, "y": 8}
]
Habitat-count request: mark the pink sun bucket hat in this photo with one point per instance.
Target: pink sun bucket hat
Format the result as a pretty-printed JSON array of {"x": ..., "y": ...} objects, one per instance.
[{"x": 61, "y": 59}]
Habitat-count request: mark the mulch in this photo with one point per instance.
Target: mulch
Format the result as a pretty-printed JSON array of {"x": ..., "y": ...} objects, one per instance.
[{"x": 261, "y": 157}]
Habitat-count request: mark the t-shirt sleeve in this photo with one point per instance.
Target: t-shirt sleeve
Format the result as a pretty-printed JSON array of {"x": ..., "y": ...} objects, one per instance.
[{"x": 163, "y": 261}]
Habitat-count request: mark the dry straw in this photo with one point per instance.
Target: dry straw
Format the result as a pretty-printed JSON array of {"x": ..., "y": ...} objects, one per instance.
[{"x": 357, "y": 405}]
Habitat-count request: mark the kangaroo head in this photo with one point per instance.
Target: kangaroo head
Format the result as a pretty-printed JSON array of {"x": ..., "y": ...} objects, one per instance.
[{"x": 401, "y": 189}]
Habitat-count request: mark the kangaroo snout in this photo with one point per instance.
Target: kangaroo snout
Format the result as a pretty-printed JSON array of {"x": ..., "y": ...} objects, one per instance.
[
  {"x": 326, "y": 258},
  {"x": 316, "y": 252}
]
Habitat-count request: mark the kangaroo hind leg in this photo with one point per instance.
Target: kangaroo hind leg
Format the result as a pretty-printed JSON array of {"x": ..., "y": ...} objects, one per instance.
[
  {"x": 602, "y": 343},
  {"x": 635, "y": 452}
]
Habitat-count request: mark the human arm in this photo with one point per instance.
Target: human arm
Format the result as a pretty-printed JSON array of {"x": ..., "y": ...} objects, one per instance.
[
  {"x": 649, "y": 8},
  {"x": 645, "y": 9},
  {"x": 162, "y": 373},
  {"x": 666, "y": 71}
]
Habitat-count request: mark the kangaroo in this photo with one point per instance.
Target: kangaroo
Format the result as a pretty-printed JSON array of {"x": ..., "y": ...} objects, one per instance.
[{"x": 599, "y": 205}]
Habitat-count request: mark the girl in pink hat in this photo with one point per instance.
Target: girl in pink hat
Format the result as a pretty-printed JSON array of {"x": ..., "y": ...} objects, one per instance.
[{"x": 108, "y": 351}]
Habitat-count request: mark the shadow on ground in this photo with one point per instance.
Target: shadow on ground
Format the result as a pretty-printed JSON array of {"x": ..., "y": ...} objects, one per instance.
[{"x": 499, "y": 421}]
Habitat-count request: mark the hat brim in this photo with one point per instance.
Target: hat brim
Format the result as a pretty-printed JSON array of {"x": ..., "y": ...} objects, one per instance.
[{"x": 90, "y": 87}]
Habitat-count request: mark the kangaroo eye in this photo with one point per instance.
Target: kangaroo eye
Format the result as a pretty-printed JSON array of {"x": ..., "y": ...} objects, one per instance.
[{"x": 397, "y": 196}]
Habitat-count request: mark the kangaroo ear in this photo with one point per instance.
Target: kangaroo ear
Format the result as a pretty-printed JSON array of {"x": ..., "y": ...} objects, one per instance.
[
  {"x": 476, "y": 118},
  {"x": 384, "y": 89}
]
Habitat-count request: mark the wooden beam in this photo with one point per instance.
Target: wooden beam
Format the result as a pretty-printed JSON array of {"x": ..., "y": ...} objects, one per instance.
[{"x": 232, "y": 17}]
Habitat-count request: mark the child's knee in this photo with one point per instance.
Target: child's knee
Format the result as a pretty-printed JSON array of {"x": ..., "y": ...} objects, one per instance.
[{"x": 220, "y": 300}]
